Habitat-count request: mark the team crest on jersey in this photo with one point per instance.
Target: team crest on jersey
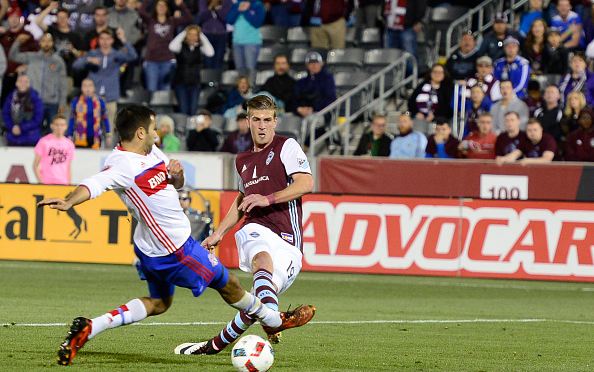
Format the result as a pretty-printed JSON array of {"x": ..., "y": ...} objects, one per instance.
[
  {"x": 287, "y": 237},
  {"x": 254, "y": 235},
  {"x": 153, "y": 179},
  {"x": 269, "y": 158},
  {"x": 303, "y": 163}
]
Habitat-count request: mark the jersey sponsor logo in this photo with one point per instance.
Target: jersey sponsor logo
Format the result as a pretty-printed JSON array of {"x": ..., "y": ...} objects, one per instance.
[
  {"x": 153, "y": 179},
  {"x": 287, "y": 237},
  {"x": 302, "y": 163},
  {"x": 270, "y": 156},
  {"x": 255, "y": 182}
]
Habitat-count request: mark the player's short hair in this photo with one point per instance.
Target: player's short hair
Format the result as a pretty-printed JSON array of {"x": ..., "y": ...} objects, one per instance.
[
  {"x": 442, "y": 121},
  {"x": 512, "y": 113},
  {"x": 485, "y": 115},
  {"x": 261, "y": 102},
  {"x": 58, "y": 117},
  {"x": 107, "y": 32},
  {"x": 130, "y": 118},
  {"x": 534, "y": 121}
]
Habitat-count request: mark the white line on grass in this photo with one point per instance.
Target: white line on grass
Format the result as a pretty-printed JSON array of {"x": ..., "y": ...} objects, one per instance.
[{"x": 389, "y": 321}]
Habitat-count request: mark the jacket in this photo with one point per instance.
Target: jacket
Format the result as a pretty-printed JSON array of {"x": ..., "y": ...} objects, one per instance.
[
  {"x": 46, "y": 72},
  {"x": 517, "y": 71},
  {"x": 31, "y": 116},
  {"x": 317, "y": 91},
  {"x": 213, "y": 21},
  {"x": 365, "y": 146}
]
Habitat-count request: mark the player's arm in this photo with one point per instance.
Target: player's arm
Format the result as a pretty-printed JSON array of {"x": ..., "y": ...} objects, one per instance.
[
  {"x": 233, "y": 216},
  {"x": 302, "y": 184},
  {"x": 509, "y": 158},
  {"x": 79, "y": 195},
  {"x": 176, "y": 173},
  {"x": 546, "y": 157},
  {"x": 36, "y": 169}
]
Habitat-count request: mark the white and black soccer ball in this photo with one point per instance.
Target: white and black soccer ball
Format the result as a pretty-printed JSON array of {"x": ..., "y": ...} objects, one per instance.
[{"x": 252, "y": 354}]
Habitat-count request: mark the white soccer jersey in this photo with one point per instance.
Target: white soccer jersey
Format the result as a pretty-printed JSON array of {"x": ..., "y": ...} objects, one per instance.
[{"x": 142, "y": 184}]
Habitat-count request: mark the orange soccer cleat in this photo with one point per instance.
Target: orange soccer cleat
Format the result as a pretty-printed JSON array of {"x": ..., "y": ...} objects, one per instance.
[{"x": 77, "y": 337}]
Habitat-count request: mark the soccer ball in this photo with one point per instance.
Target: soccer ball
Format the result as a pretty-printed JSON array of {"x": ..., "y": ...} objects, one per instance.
[{"x": 252, "y": 354}]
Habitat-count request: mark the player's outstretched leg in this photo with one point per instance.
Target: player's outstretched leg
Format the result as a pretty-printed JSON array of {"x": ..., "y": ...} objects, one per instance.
[{"x": 83, "y": 329}]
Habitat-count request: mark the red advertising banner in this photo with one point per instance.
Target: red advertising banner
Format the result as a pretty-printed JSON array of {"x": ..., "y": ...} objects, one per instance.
[{"x": 445, "y": 237}]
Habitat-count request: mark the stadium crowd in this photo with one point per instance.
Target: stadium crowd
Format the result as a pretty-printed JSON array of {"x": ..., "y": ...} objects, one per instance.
[{"x": 82, "y": 58}]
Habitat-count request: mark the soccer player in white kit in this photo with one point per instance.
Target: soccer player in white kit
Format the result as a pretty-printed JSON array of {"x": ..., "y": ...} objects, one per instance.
[
  {"x": 145, "y": 180},
  {"x": 272, "y": 179}
]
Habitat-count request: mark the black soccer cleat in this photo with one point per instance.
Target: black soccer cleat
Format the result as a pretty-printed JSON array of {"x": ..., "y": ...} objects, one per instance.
[
  {"x": 196, "y": 348},
  {"x": 77, "y": 337}
]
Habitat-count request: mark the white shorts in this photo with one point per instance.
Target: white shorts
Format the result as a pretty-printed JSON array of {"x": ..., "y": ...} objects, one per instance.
[{"x": 253, "y": 239}]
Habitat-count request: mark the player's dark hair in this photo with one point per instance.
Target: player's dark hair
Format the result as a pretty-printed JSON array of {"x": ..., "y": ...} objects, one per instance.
[
  {"x": 512, "y": 113},
  {"x": 58, "y": 117},
  {"x": 130, "y": 118},
  {"x": 261, "y": 102},
  {"x": 534, "y": 121}
]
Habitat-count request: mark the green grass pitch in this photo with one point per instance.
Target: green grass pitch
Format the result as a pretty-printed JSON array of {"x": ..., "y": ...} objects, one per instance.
[{"x": 363, "y": 323}]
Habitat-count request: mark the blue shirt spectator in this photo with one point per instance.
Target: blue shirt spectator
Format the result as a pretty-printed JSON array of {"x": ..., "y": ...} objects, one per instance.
[
  {"x": 512, "y": 67},
  {"x": 409, "y": 143},
  {"x": 569, "y": 24}
]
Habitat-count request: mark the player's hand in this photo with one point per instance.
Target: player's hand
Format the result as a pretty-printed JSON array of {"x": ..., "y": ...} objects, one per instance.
[
  {"x": 175, "y": 168},
  {"x": 55, "y": 203},
  {"x": 211, "y": 242},
  {"x": 16, "y": 130},
  {"x": 22, "y": 38},
  {"x": 251, "y": 201}
]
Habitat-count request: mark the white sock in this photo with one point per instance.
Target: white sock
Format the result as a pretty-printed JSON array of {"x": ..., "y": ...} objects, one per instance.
[
  {"x": 133, "y": 311},
  {"x": 253, "y": 306}
]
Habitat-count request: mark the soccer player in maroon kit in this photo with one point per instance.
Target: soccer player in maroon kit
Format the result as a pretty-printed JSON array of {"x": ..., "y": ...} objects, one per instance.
[{"x": 273, "y": 178}]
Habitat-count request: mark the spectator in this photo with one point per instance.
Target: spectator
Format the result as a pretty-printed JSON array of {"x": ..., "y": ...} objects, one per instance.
[
  {"x": 513, "y": 67},
  {"x": 375, "y": 142},
  {"x": 239, "y": 140},
  {"x": 3, "y": 64},
  {"x": 551, "y": 113},
  {"x": 237, "y": 96},
  {"x": 104, "y": 64},
  {"x": 327, "y": 22},
  {"x": 53, "y": 155},
  {"x": 23, "y": 113},
  {"x": 580, "y": 143},
  {"x": 539, "y": 148},
  {"x": 47, "y": 74},
  {"x": 212, "y": 18},
  {"x": 369, "y": 13},
  {"x": 409, "y": 143},
  {"x": 576, "y": 102},
  {"x": 81, "y": 14},
  {"x": 282, "y": 85},
  {"x": 480, "y": 143},
  {"x": 589, "y": 25},
  {"x": 402, "y": 27},
  {"x": 123, "y": 16},
  {"x": 575, "y": 80},
  {"x": 14, "y": 29},
  {"x": 286, "y": 13},
  {"x": 202, "y": 137},
  {"x": 556, "y": 56},
  {"x": 569, "y": 24},
  {"x": 161, "y": 29},
  {"x": 67, "y": 43},
  {"x": 188, "y": 47},
  {"x": 442, "y": 144},
  {"x": 88, "y": 119},
  {"x": 535, "y": 45},
  {"x": 485, "y": 79},
  {"x": 534, "y": 97},
  {"x": 46, "y": 13},
  {"x": 479, "y": 104},
  {"x": 246, "y": 17},
  {"x": 315, "y": 91},
  {"x": 461, "y": 64},
  {"x": 512, "y": 138},
  {"x": 509, "y": 102},
  {"x": 492, "y": 44},
  {"x": 91, "y": 37},
  {"x": 432, "y": 97},
  {"x": 528, "y": 18},
  {"x": 167, "y": 139}
]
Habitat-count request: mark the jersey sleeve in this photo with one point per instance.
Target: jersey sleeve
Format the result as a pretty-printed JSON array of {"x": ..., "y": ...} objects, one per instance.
[
  {"x": 160, "y": 154},
  {"x": 293, "y": 158},
  {"x": 239, "y": 181},
  {"x": 116, "y": 175}
]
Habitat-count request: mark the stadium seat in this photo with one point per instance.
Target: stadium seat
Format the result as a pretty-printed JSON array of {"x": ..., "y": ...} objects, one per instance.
[
  {"x": 262, "y": 76},
  {"x": 218, "y": 123},
  {"x": 370, "y": 38},
  {"x": 440, "y": 19},
  {"x": 229, "y": 78},
  {"x": 163, "y": 101},
  {"x": 267, "y": 54},
  {"x": 297, "y": 37},
  {"x": 204, "y": 94},
  {"x": 210, "y": 77},
  {"x": 273, "y": 34},
  {"x": 345, "y": 57},
  {"x": 181, "y": 123},
  {"x": 349, "y": 79},
  {"x": 381, "y": 57},
  {"x": 137, "y": 95},
  {"x": 290, "y": 125},
  {"x": 351, "y": 37}
]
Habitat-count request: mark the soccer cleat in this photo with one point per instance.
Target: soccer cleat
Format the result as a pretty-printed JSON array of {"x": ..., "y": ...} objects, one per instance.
[
  {"x": 196, "y": 348},
  {"x": 274, "y": 338},
  {"x": 77, "y": 337},
  {"x": 292, "y": 319}
]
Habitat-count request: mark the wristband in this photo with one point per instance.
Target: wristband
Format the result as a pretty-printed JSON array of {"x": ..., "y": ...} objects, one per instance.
[{"x": 270, "y": 198}]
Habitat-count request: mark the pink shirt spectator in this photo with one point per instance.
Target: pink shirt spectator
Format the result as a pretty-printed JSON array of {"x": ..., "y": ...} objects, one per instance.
[{"x": 56, "y": 156}]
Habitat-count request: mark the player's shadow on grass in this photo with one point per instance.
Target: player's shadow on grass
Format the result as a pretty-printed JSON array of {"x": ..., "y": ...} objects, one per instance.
[{"x": 178, "y": 360}]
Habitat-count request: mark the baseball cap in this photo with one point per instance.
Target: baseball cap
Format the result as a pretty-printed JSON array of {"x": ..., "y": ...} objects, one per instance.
[
  {"x": 312, "y": 57},
  {"x": 484, "y": 60},
  {"x": 500, "y": 17},
  {"x": 510, "y": 40}
]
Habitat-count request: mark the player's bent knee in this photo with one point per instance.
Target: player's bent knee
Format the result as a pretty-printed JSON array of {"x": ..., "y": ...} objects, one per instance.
[{"x": 156, "y": 306}]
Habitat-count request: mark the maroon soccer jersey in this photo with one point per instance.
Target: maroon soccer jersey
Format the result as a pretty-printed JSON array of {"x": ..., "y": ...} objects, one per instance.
[
  {"x": 535, "y": 150},
  {"x": 269, "y": 171}
]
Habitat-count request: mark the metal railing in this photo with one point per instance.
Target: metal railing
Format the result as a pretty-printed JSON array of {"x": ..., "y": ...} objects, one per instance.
[
  {"x": 483, "y": 14},
  {"x": 367, "y": 98}
]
